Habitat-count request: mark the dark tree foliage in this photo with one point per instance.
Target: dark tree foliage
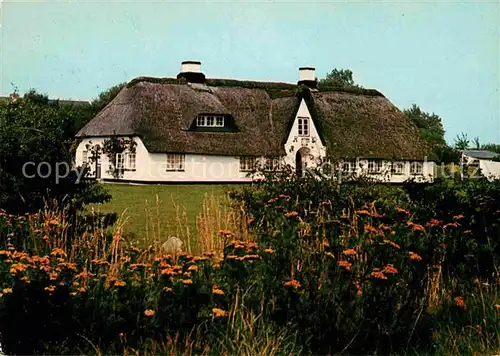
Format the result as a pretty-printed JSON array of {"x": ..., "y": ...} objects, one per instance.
[
  {"x": 462, "y": 142},
  {"x": 340, "y": 78},
  {"x": 36, "y": 133},
  {"x": 430, "y": 125}
]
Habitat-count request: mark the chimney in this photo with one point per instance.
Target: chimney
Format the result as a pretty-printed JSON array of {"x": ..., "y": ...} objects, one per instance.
[
  {"x": 307, "y": 77},
  {"x": 191, "y": 71}
]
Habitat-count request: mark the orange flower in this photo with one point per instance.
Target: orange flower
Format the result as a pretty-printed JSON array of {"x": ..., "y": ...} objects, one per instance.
[
  {"x": 50, "y": 289},
  {"x": 402, "y": 211},
  {"x": 376, "y": 273},
  {"x": 250, "y": 220},
  {"x": 325, "y": 243},
  {"x": 193, "y": 268},
  {"x": 7, "y": 291},
  {"x": 417, "y": 227},
  {"x": 497, "y": 306},
  {"x": 459, "y": 301},
  {"x": 167, "y": 290},
  {"x": 45, "y": 238},
  {"x": 219, "y": 313},
  {"x": 414, "y": 256},
  {"x": 369, "y": 228},
  {"x": 291, "y": 214},
  {"x": 458, "y": 217},
  {"x": 269, "y": 250},
  {"x": 393, "y": 244},
  {"x": 149, "y": 312},
  {"x": 225, "y": 233},
  {"x": 349, "y": 252},
  {"x": 390, "y": 269},
  {"x": 363, "y": 212},
  {"x": 58, "y": 252},
  {"x": 120, "y": 283},
  {"x": 217, "y": 291},
  {"x": 292, "y": 283},
  {"x": 345, "y": 264},
  {"x": 454, "y": 224},
  {"x": 187, "y": 281},
  {"x": 81, "y": 290}
]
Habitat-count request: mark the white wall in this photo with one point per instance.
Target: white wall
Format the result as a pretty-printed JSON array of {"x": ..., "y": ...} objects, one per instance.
[
  {"x": 152, "y": 166},
  {"x": 206, "y": 168},
  {"x": 295, "y": 142}
]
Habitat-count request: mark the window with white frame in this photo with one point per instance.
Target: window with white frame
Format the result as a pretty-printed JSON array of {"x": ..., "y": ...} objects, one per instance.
[
  {"x": 247, "y": 164},
  {"x": 85, "y": 157},
  {"x": 130, "y": 162},
  {"x": 398, "y": 167},
  {"x": 303, "y": 126},
  {"x": 416, "y": 168},
  {"x": 210, "y": 121},
  {"x": 348, "y": 167},
  {"x": 175, "y": 162},
  {"x": 120, "y": 161},
  {"x": 374, "y": 167},
  {"x": 272, "y": 164}
]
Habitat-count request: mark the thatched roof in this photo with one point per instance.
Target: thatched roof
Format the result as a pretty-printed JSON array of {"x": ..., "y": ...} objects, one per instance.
[{"x": 351, "y": 122}]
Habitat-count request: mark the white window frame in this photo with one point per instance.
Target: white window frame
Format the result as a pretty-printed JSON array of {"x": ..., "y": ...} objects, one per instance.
[
  {"x": 416, "y": 168},
  {"x": 130, "y": 161},
  {"x": 272, "y": 164},
  {"x": 210, "y": 121},
  {"x": 398, "y": 168},
  {"x": 85, "y": 157},
  {"x": 247, "y": 163},
  {"x": 175, "y": 162},
  {"x": 347, "y": 167},
  {"x": 375, "y": 166},
  {"x": 303, "y": 127},
  {"x": 120, "y": 161}
]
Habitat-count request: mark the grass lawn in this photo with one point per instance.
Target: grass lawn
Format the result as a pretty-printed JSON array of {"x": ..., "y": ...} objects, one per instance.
[{"x": 178, "y": 205}]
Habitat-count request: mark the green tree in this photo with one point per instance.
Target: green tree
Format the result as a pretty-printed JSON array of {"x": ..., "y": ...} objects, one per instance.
[
  {"x": 494, "y": 147},
  {"x": 339, "y": 78},
  {"x": 36, "y": 137},
  {"x": 430, "y": 125},
  {"x": 105, "y": 97},
  {"x": 462, "y": 142}
]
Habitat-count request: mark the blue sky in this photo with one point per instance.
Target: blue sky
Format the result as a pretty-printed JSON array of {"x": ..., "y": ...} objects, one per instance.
[{"x": 443, "y": 56}]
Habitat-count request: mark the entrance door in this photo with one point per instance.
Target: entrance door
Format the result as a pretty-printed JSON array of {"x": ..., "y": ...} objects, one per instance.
[{"x": 298, "y": 164}]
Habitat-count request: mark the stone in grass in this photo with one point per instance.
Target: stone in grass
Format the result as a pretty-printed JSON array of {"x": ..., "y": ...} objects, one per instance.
[{"x": 172, "y": 246}]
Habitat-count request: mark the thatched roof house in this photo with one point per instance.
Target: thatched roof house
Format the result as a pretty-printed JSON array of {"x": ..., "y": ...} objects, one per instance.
[{"x": 258, "y": 118}]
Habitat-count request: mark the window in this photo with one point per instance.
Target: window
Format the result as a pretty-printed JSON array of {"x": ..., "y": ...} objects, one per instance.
[
  {"x": 119, "y": 161},
  {"x": 398, "y": 167},
  {"x": 247, "y": 164},
  {"x": 210, "y": 121},
  {"x": 374, "y": 167},
  {"x": 85, "y": 157},
  {"x": 130, "y": 161},
  {"x": 348, "y": 167},
  {"x": 272, "y": 164},
  {"x": 303, "y": 123},
  {"x": 175, "y": 162},
  {"x": 416, "y": 168}
]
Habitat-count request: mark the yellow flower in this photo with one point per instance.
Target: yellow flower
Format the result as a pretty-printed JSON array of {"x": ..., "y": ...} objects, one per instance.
[
  {"x": 7, "y": 291},
  {"x": 149, "y": 312},
  {"x": 187, "y": 281},
  {"x": 193, "y": 268},
  {"x": 219, "y": 313}
]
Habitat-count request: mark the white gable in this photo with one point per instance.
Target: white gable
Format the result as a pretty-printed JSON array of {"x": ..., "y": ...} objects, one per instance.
[{"x": 310, "y": 143}]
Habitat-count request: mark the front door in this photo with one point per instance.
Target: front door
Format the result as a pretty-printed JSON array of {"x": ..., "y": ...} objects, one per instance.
[{"x": 298, "y": 164}]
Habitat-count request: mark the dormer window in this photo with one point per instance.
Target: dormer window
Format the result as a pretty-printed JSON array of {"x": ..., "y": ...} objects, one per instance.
[{"x": 210, "y": 121}]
